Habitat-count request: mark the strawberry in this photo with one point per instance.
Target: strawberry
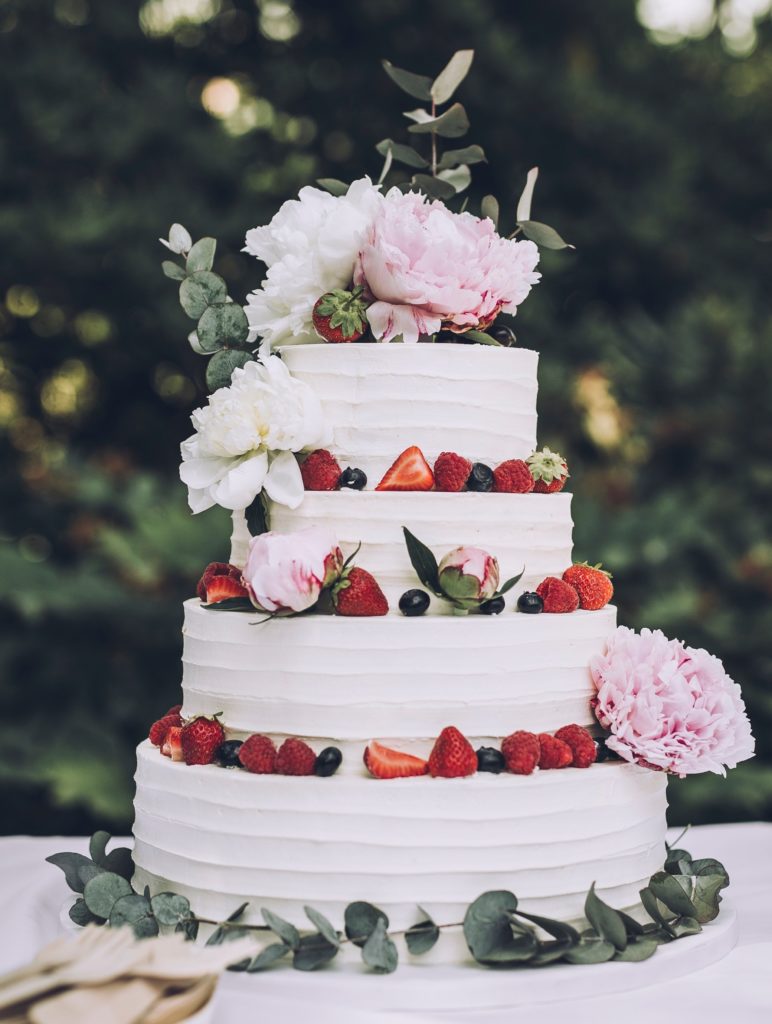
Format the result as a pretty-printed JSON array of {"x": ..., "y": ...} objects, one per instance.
[
  {"x": 358, "y": 593},
  {"x": 452, "y": 755},
  {"x": 295, "y": 758},
  {"x": 549, "y": 471},
  {"x": 592, "y": 584},
  {"x": 200, "y": 739},
  {"x": 212, "y": 570},
  {"x": 159, "y": 729},
  {"x": 176, "y": 710},
  {"x": 410, "y": 472},
  {"x": 320, "y": 471},
  {"x": 521, "y": 752},
  {"x": 557, "y": 595},
  {"x": 172, "y": 745},
  {"x": 224, "y": 588},
  {"x": 385, "y": 763},
  {"x": 340, "y": 316},
  {"x": 582, "y": 745},
  {"x": 512, "y": 477},
  {"x": 258, "y": 755},
  {"x": 451, "y": 472},
  {"x": 554, "y": 752}
]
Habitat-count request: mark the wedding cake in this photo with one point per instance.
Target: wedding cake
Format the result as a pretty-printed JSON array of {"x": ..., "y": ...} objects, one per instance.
[{"x": 369, "y": 711}]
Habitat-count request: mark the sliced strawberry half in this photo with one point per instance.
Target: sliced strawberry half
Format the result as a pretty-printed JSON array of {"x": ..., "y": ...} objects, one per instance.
[
  {"x": 172, "y": 745},
  {"x": 223, "y": 588},
  {"x": 411, "y": 472},
  {"x": 385, "y": 763}
]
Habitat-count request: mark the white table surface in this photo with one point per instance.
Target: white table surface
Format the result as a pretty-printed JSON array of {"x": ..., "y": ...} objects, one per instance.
[{"x": 738, "y": 989}]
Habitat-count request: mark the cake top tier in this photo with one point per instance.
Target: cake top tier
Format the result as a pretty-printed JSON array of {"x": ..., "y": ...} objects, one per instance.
[{"x": 377, "y": 400}]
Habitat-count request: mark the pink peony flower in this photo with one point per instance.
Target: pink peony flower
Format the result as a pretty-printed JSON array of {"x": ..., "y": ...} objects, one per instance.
[
  {"x": 469, "y": 574},
  {"x": 426, "y": 266},
  {"x": 668, "y": 706},
  {"x": 286, "y": 572}
]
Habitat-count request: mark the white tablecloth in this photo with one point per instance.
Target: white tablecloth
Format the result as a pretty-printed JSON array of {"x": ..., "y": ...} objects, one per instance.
[{"x": 736, "y": 990}]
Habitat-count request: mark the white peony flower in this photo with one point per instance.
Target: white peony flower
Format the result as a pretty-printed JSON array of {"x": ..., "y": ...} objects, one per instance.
[
  {"x": 309, "y": 247},
  {"x": 245, "y": 438}
]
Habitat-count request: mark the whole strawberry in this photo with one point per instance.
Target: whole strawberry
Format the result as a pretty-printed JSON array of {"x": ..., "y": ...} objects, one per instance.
[
  {"x": 554, "y": 752},
  {"x": 451, "y": 472},
  {"x": 521, "y": 752},
  {"x": 357, "y": 593},
  {"x": 320, "y": 471},
  {"x": 512, "y": 477},
  {"x": 452, "y": 756},
  {"x": 295, "y": 758},
  {"x": 557, "y": 595},
  {"x": 340, "y": 316},
  {"x": 581, "y": 743},
  {"x": 200, "y": 739},
  {"x": 159, "y": 729},
  {"x": 549, "y": 471},
  {"x": 592, "y": 584},
  {"x": 258, "y": 755}
]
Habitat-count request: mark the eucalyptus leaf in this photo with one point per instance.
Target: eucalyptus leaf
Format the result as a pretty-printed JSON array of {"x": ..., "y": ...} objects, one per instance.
[
  {"x": 653, "y": 908},
  {"x": 544, "y": 236},
  {"x": 678, "y": 862},
  {"x": 97, "y": 846},
  {"x": 129, "y": 909},
  {"x": 220, "y": 367},
  {"x": 173, "y": 270},
  {"x": 360, "y": 921},
  {"x": 467, "y": 155},
  {"x": 102, "y": 892},
  {"x": 231, "y": 604},
  {"x": 419, "y": 115},
  {"x": 451, "y": 76},
  {"x": 423, "y": 561},
  {"x": 605, "y": 920},
  {"x": 674, "y": 891},
  {"x": 706, "y": 896},
  {"x": 88, "y": 871},
  {"x": 333, "y": 185},
  {"x": 145, "y": 928},
  {"x": 481, "y": 338},
  {"x": 632, "y": 927},
  {"x": 686, "y": 926},
  {"x": 80, "y": 914},
  {"x": 636, "y": 950},
  {"x": 548, "y": 952},
  {"x": 170, "y": 908},
  {"x": 189, "y": 929},
  {"x": 489, "y": 207},
  {"x": 325, "y": 928},
  {"x": 195, "y": 344},
  {"x": 418, "y": 86},
  {"x": 257, "y": 521},
  {"x": 434, "y": 188},
  {"x": 267, "y": 956},
  {"x": 590, "y": 950},
  {"x": 70, "y": 864},
  {"x": 201, "y": 255},
  {"x": 379, "y": 952},
  {"x": 459, "y": 177},
  {"x": 709, "y": 866},
  {"x": 120, "y": 862},
  {"x": 402, "y": 154},
  {"x": 287, "y": 932},
  {"x": 526, "y": 197},
  {"x": 451, "y": 125},
  {"x": 422, "y": 937},
  {"x": 227, "y": 931},
  {"x": 557, "y": 929},
  {"x": 222, "y": 323},
  {"x": 200, "y": 290},
  {"x": 386, "y": 166},
  {"x": 179, "y": 239},
  {"x": 313, "y": 952},
  {"x": 486, "y": 924}
]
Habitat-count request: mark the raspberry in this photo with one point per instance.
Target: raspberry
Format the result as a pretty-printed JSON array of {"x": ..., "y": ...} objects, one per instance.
[
  {"x": 295, "y": 758},
  {"x": 513, "y": 477},
  {"x": 521, "y": 752},
  {"x": 557, "y": 595},
  {"x": 159, "y": 729},
  {"x": 451, "y": 472},
  {"x": 581, "y": 743},
  {"x": 320, "y": 471},
  {"x": 258, "y": 755},
  {"x": 554, "y": 753}
]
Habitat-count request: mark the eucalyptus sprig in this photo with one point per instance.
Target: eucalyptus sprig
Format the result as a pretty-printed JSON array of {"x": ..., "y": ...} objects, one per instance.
[
  {"x": 678, "y": 901},
  {"x": 222, "y": 329}
]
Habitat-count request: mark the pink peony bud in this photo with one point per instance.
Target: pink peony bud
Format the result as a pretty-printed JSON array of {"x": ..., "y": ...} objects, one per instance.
[
  {"x": 287, "y": 572},
  {"x": 469, "y": 574}
]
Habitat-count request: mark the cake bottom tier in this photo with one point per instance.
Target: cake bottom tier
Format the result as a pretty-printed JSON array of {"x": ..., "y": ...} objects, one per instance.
[{"x": 222, "y": 837}]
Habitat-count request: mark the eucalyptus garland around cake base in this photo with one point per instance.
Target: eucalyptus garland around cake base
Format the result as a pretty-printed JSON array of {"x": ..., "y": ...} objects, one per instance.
[{"x": 679, "y": 900}]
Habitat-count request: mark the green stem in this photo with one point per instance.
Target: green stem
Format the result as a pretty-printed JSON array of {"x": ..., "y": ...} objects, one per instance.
[{"x": 434, "y": 142}]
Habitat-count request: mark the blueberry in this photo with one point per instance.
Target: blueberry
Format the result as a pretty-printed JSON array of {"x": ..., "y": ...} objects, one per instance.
[
  {"x": 227, "y": 754},
  {"x": 328, "y": 762},
  {"x": 414, "y": 602},
  {"x": 493, "y": 607},
  {"x": 481, "y": 478},
  {"x": 530, "y": 603},
  {"x": 490, "y": 760},
  {"x": 353, "y": 479},
  {"x": 603, "y": 752},
  {"x": 504, "y": 336}
]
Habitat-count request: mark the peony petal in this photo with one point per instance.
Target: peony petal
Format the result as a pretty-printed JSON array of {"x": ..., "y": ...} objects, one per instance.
[
  {"x": 242, "y": 483},
  {"x": 388, "y": 321},
  {"x": 283, "y": 483}
]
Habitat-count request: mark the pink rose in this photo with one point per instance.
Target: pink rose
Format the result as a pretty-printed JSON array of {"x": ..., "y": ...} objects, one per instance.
[
  {"x": 668, "y": 706},
  {"x": 286, "y": 572},
  {"x": 427, "y": 267},
  {"x": 469, "y": 574}
]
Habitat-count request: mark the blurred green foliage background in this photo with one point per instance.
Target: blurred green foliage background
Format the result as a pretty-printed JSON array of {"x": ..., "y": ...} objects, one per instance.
[{"x": 654, "y": 137}]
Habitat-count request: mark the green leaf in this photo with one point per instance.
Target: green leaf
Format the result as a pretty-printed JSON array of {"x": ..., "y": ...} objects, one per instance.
[
  {"x": 489, "y": 207},
  {"x": 379, "y": 952},
  {"x": 557, "y": 929},
  {"x": 226, "y": 932},
  {"x": 201, "y": 255},
  {"x": 287, "y": 932},
  {"x": 434, "y": 188},
  {"x": 403, "y": 154},
  {"x": 632, "y": 927},
  {"x": 423, "y": 561},
  {"x": 81, "y": 915},
  {"x": 686, "y": 926},
  {"x": 422, "y": 937},
  {"x": 706, "y": 896},
  {"x": 224, "y": 323},
  {"x": 88, "y": 871},
  {"x": 145, "y": 927},
  {"x": 451, "y": 125},
  {"x": 511, "y": 582},
  {"x": 487, "y": 926},
  {"x": 637, "y": 950},
  {"x": 467, "y": 155},
  {"x": 333, "y": 186},
  {"x": 419, "y": 86},
  {"x": 459, "y": 177},
  {"x": 324, "y": 926},
  {"x": 592, "y": 949},
  {"x": 481, "y": 338},
  {"x": 381, "y": 177},
  {"x": 220, "y": 368},
  {"x": 674, "y": 891},
  {"x": 231, "y": 604},
  {"x": 544, "y": 236},
  {"x": 526, "y": 197},
  {"x": 678, "y": 862},
  {"x": 451, "y": 76},
  {"x": 97, "y": 847},
  {"x": 257, "y": 521},
  {"x": 419, "y": 115},
  {"x": 653, "y": 909},
  {"x": 189, "y": 929},
  {"x": 129, "y": 909},
  {"x": 314, "y": 951},
  {"x": 605, "y": 920},
  {"x": 70, "y": 863},
  {"x": 120, "y": 862},
  {"x": 360, "y": 920},
  {"x": 200, "y": 290},
  {"x": 267, "y": 956},
  {"x": 709, "y": 866},
  {"x": 101, "y": 893},
  {"x": 170, "y": 908},
  {"x": 173, "y": 270}
]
